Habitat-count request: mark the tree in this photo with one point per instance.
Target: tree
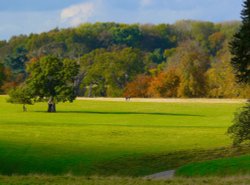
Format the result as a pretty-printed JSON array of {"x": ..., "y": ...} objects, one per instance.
[
  {"x": 128, "y": 35},
  {"x": 52, "y": 79},
  {"x": 16, "y": 61},
  {"x": 155, "y": 45},
  {"x": 92, "y": 66},
  {"x": 240, "y": 130},
  {"x": 192, "y": 63},
  {"x": 240, "y": 49},
  {"x": 157, "y": 36},
  {"x": 165, "y": 84},
  {"x": 1, "y": 76},
  {"x": 220, "y": 77},
  {"x": 109, "y": 71},
  {"x": 8, "y": 82},
  {"x": 201, "y": 31},
  {"x": 122, "y": 67},
  {"x": 21, "y": 95},
  {"x": 156, "y": 56},
  {"x": 216, "y": 42},
  {"x": 138, "y": 87}
]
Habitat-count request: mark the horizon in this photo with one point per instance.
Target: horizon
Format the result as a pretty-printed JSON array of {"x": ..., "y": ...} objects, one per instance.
[
  {"x": 46, "y": 31},
  {"x": 42, "y": 16}
]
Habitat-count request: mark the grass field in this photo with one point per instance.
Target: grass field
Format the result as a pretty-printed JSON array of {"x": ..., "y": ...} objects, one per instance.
[
  {"x": 219, "y": 167},
  {"x": 66, "y": 180},
  {"x": 110, "y": 138}
]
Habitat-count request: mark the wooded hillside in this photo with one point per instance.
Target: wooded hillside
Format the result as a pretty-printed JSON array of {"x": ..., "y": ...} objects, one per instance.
[{"x": 185, "y": 59}]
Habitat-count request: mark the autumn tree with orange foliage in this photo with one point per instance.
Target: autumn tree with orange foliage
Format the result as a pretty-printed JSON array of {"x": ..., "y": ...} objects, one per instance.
[
  {"x": 138, "y": 87},
  {"x": 165, "y": 84}
]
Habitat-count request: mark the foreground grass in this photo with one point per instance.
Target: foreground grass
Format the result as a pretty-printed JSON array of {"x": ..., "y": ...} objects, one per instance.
[
  {"x": 219, "y": 167},
  {"x": 132, "y": 166},
  {"x": 49, "y": 180},
  {"x": 111, "y": 138}
]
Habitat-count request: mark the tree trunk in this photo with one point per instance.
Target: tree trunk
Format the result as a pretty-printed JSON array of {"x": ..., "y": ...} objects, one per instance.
[
  {"x": 51, "y": 105},
  {"x": 90, "y": 91},
  {"x": 24, "y": 108}
]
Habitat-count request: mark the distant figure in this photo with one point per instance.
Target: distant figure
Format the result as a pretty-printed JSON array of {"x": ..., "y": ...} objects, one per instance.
[
  {"x": 24, "y": 108},
  {"x": 127, "y": 98}
]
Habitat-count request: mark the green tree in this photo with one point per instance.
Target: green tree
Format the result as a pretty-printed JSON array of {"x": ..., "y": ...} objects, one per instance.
[
  {"x": 157, "y": 36},
  {"x": 16, "y": 61},
  {"x": 192, "y": 63},
  {"x": 229, "y": 28},
  {"x": 156, "y": 56},
  {"x": 21, "y": 95},
  {"x": 240, "y": 47},
  {"x": 52, "y": 79},
  {"x": 123, "y": 67},
  {"x": 201, "y": 31},
  {"x": 240, "y": 130},
  {"x": 128, "y": 35},
  {"x": 92, "y": 66},
  {"x": 108, "y": 72}
]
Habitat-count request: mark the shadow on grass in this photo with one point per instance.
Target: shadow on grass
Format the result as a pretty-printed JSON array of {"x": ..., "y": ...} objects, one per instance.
[
  {"x": 125, "y": 113},
  {"x": 53, "y": 160},
  {"x": 149, "y": 164}
]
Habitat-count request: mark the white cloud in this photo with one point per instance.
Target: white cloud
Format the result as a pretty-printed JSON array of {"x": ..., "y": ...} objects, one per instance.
[{"x": 77, "y": 14}]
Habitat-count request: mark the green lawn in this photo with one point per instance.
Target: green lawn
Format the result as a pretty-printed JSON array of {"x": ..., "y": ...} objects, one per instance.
[
  {"x": 108, "y": 138},
  {"x": 219, "y": 167},
  {"x": 66, "y": 180}
]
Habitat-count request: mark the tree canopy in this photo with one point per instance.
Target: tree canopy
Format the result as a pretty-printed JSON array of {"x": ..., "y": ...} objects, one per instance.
[
  {"x": 240, "y": 130},
  {"x": 113, "y": 57},
  {"x": 240, "y": 49},
  {"x": 50, "y": 78},
  {"x": 21, "y": 95}
]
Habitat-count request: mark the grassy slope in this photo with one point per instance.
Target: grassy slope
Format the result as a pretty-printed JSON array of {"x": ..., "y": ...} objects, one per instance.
[
  {"x": 56, "y": 180},
  {"x": 220, "y": 167},
  {"x": 88, "y": 137}
]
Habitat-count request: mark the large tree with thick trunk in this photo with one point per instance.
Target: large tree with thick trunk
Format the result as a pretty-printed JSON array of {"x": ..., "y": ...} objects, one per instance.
[
  {"x": 240, "y": 49},
  {"x": 51, "y": 79}
]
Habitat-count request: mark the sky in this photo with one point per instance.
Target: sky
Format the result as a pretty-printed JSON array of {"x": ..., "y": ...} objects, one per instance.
[{"x": 36, "y": 16}]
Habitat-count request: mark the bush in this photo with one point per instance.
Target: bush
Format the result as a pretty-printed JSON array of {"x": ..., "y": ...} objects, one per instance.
[{"x": 240, "y": 130}]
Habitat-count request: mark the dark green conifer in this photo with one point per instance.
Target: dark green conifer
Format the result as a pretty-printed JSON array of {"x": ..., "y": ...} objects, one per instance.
[{"x": 240, "y": 47}]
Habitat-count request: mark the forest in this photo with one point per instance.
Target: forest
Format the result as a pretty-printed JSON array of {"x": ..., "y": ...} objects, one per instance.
[{"x": 185, "y": 59}]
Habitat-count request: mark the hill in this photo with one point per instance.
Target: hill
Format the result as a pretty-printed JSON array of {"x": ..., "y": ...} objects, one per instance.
[{"x": 185, "y": 59}]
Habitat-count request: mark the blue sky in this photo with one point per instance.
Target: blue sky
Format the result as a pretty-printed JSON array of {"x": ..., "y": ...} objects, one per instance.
[{"x": 35, "y": 16}]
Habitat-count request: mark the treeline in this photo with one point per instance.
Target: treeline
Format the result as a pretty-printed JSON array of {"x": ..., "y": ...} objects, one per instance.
[{"x": 185, "y": 59}]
